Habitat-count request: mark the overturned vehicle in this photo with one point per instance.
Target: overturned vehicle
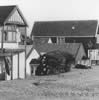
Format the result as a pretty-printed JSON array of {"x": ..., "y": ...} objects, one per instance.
[
  {"x": 85, "y": 63},
  {"x": 54, "y": 62}
]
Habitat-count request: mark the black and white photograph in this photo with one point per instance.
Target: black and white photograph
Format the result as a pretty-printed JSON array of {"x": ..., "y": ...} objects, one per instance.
[{"x": 49, "y": 49}]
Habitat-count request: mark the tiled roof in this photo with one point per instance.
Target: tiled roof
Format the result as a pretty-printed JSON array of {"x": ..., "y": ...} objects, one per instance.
[
  {"x": 71, "y": 48},
  {"x": 4, "y": 12},
  {"x": 65, "y": 28}
]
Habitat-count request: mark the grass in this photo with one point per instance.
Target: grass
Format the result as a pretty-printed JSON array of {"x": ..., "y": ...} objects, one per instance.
[{"x": 79, "y": 84}]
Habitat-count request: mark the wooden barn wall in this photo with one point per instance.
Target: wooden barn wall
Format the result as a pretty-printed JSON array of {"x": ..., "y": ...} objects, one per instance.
[
  {"x": 80, "y": 39},
  {"x": 84, "y": 40},
  {"x": 34, "y": 55},
  {"x": 40, "y": 40},
  {"x": 80, "y": 53}
]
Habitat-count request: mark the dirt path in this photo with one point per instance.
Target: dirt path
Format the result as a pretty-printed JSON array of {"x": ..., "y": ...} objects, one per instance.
[{"x": 75, "y": 85}]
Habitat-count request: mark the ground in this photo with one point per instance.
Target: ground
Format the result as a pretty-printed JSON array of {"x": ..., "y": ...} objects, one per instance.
[{"x": 79, "y": 84}]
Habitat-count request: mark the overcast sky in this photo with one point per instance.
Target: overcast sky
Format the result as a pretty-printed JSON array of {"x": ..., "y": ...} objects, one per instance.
[{"x": 38, "y": 10}]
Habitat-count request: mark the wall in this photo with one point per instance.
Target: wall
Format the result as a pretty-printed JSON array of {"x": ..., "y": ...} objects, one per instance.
[
  {"x": 40, "y": 40},
  {"x": 93, "y": 54},
  {"x": 15, "y": 66},
  {"x": 18, "y": 66},
  {"x": 22, "y": 65},
  {"x": 10, "y": 45},
  {"x": 80, "y": 53},
  {"x": 33, "y": 55},
  {"x": 97, "y": 38},
  {"x": 88, "y": 42}
]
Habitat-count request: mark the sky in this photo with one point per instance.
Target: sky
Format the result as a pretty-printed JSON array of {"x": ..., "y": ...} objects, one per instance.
[{"x": 50, "y": 10}]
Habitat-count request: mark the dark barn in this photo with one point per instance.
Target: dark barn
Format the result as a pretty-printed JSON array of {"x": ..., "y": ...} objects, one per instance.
[{"x": 62, "y": 32}]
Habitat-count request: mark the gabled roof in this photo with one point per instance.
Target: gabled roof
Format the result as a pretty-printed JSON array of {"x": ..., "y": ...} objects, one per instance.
[
  {"x": 29, "y": 49},
  {"x": 71, "y": 48},
  {"x": 6, "y": 11},
  {"x": 65, "y": 28}
]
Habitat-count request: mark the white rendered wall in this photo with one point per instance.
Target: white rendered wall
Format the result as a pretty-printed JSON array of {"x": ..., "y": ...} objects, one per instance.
[
  {"x": 34, "y": 54},
  {"x": 15, "y": 66},
  {"x": 10, "y": 45},
  {"x": 22, "y": 65},
  {"x": 16, "y": 17}
]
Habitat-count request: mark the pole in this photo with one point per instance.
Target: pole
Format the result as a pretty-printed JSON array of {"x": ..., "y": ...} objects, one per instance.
[
  {"x": 18, "y": 67},
  {"x": 2, "y": 50},
  {"x": 25, "y": 49},
  {"x": 11, "y": 67},
  {"x": 2, "y": 38}
]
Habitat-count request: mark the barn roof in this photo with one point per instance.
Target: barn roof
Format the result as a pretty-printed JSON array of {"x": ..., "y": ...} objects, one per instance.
[
  {"x": 5, "y": 12},
  {"x": 65, "y": 28}
]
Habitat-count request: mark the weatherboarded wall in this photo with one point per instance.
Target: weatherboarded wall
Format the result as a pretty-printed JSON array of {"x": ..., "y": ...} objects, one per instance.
[
  {"x": 22, "y": 65},
  {"x": 18, "y": 67},
  {"x": 15, "y": 66},
  {"x": 34, "y": 54}
]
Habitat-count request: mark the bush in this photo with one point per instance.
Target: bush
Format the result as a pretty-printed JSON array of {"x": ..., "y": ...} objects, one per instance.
[{"x": 54, "y": 62}]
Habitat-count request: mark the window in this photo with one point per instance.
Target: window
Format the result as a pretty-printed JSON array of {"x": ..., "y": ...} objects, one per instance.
[
  {"x": 97, "y": 38},
  {"x": 10, "y": 34},
  {"x": 54, "y": 39},
  {"x": 61, "y": 40}
]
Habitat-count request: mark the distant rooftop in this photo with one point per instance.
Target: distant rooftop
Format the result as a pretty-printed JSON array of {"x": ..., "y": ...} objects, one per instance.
[{"x": 65, "y": 28}]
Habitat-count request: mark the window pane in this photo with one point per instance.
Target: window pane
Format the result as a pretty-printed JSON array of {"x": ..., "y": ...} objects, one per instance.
[
  {"x": 9, "y": 36},
  {"x": 14, "y": 36},
  {"x": 54, "y": 39}
]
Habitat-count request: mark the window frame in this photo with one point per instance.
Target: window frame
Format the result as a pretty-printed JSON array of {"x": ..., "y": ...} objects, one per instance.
[{"x": 12, "y": 29}]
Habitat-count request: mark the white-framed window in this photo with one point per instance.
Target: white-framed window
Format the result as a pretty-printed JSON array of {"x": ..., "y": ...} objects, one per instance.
[
  {"x": 61, "y": 40},
  {"x": 58, "y": 40},
  {"x": 97, "y": 39},
  {"x": 54, "y": 40},
  {"x": 11, "y": 36},
  {"x": 10, "y": 33}
]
